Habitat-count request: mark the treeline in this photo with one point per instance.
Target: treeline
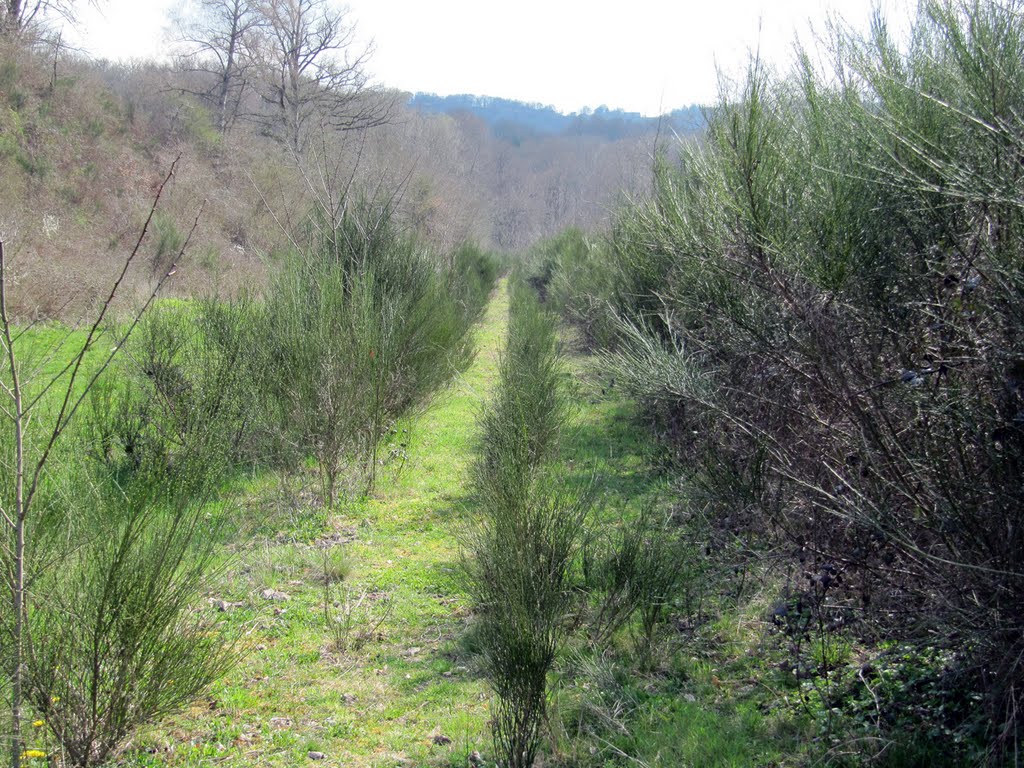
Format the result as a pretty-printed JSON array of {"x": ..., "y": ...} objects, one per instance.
[
  {"x": 521, "y": 120},
  {"x": 820, "y": 311}
]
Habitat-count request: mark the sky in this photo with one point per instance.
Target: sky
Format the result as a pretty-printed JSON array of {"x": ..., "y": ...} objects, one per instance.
[{"x": 648, "y": 56}]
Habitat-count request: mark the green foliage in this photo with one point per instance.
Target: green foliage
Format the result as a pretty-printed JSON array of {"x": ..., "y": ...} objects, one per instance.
[
  {"x": 912, "y": 692},
  {"x": 524, "y": 546},
  {"x": 114, "y": 640},
  {"x": 356, "y": 332},
  {"x": 350, "y": 335},
  {"x": 168, "y": 242},
  {"x": 528, "y": 412},
  {"x": 102, "y": 571},
  {"x": 638, "y": 569},
  {"x": 574, "y": 275},
  {"x": 819, "y": 309},
  {"x": 472, "y": 276},
  {"x": 183, "y": 390}
]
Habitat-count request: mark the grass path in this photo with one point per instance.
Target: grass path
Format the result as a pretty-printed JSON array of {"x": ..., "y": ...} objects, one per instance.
[{"x": 402, "y": 692}]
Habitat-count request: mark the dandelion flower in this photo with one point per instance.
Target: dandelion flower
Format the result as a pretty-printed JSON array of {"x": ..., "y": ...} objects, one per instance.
[
  {"x": 30, "y": 753},
  {"x": 38, "y": 723}
]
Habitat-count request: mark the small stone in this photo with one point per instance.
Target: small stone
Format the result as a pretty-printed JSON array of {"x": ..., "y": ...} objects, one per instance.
[
  {"x": 690, "y": 697},
  {"x": 413, "y": 651},
  {"x": 224, "y": 605},
  {"x": 273, "y": 594},
  {"x": 441, "y": 740},
  {"x": 348, "y": 698},
  {"x": 316, "y": 755}
]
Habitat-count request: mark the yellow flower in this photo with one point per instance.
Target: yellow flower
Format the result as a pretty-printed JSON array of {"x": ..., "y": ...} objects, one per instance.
[
  {"x": 55, "y": 699},
  {"x": 38, "y": 723},
  {"x": 33, "y": 753}
]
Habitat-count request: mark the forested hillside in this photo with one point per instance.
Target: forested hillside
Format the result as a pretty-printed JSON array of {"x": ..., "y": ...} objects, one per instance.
[
  {"x": 516, "y": 119},
  {"x": 84, "y": 143}
]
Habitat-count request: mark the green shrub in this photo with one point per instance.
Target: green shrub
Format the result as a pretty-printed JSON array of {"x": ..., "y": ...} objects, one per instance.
[
  {"x": 356, "y": 331},
  {"x": 820, "y": 307},
  {"x": 638, "y": 570},
  {"x": 184, "y": 387},
  {"x": 522, "y": 551},
  {"x": 114, "y": 640},
  {"x": 573, "y": 275},
  {"x": 168, "y": 242},
  {"x": 472, "y": 277}
]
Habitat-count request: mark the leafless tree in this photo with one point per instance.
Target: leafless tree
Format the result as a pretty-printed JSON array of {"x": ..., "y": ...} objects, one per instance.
[
  {"x": 314, "y": 71},
  {"x": 18, "y": 16},
  {"x": 219, "y": 38}
]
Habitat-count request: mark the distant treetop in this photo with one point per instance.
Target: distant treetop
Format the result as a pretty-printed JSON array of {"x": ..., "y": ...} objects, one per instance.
[{"x": 519, "y": 119}]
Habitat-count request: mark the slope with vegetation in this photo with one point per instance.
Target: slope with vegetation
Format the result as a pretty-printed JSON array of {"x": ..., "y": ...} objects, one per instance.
[
  {"x": 358, "y": 506},
  {"x": 819, "y": 311},
  {"x": 83, "y": 145}
]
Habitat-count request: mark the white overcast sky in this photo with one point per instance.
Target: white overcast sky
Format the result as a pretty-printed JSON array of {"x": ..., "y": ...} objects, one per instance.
[{"x": 641, "y": 55}]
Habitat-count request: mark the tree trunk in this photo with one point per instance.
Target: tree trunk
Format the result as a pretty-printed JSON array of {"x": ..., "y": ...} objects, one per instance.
[{"x": 225, "y": 88}]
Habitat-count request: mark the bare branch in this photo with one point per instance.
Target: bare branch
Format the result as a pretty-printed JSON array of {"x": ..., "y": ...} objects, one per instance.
[{"x": 69, "y": 404}]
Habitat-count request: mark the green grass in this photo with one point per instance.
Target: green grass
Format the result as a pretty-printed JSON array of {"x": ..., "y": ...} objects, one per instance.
[
  {"x": 709, "y": 697},
  {"x": 381, "y": 702},
  {"x": 711, "y": 694},
  {"x": 43, "y": 352}
]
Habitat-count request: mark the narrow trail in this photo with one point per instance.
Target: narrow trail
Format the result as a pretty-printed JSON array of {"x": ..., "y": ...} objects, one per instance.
[
  {"x": 405, "y": 693},
  {"x": 413, "y": 556}
]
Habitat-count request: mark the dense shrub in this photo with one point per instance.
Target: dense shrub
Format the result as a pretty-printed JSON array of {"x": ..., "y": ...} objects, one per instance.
[
  {"x": 355, "y": 331},
  {"x": 523, "y": 548},
  {"x": 115, "y": 640},
  {"x": 572, "y": 274},
  {"x": 637, "y": 569},
  {"x": 821, "y": 306},
  {"x": 472, "y": 276},
  {"x": 182, "y": 387}
]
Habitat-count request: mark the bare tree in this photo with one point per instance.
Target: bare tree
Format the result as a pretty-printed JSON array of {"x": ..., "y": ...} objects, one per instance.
[
  {"x": 17, "y": 16},
  {"x": 315, "y": 73},
  {"x": 219, "y": 37}
]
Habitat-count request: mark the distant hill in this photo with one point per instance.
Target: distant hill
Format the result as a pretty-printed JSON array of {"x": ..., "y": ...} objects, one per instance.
[{"x": 515, "y": 121}]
